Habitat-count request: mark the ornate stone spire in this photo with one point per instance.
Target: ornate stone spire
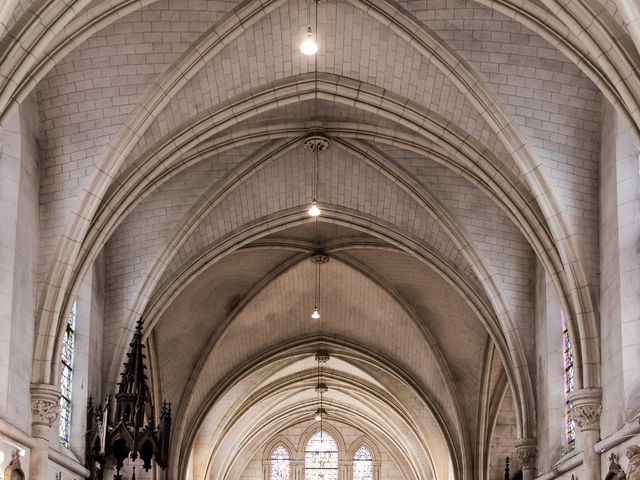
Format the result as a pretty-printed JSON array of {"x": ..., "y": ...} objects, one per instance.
[
  {"x": 132, "y": 390},
  {"x": 134, "y": 380},
  {"x": 128, "y": 430}
]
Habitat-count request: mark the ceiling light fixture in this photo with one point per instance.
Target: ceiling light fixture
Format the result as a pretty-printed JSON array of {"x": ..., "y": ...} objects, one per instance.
[
  {"x": 314, "y": 210},
  {"x": 321, "y": 388},
  {"x": 316, "y": 142},
  {"x": 309, "y": 46},
  {"x": 318, "y": 259}
]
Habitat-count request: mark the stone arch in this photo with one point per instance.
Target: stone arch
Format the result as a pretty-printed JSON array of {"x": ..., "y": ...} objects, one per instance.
[
  {"x": 551, "y": 212},
  {"x": 542, "y": 251},
  {"x": 401, "y": 178},
  {"x": 119, "y": 198},
  {"x": 311, "y": 430},
  {"x": 267, "y": 455},
  {"x": 442, "y": 366},
  {"x": 525, "y": 413},
  {"x": 151, "y": 321},
  {"x": 366, "y": 441},
  {"x": 306, "y": 347},
  {"x": 567, "y": 40},
  {"x": 279, "y": 440}
]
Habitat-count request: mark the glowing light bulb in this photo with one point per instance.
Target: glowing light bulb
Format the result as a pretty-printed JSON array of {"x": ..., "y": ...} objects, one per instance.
[
  {"x": 315, "y": 315},
  {"x": 309, "y": 46},
  {"x": 314, "y": 210},
  {"x": 318, "y": 417}
]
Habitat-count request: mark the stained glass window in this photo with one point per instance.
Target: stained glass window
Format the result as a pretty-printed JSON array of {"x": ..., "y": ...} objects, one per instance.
[
  {"x": 321, "y": 457},
  {"x": 280, "y": 463},
  {"x": 363, "y": 464},
  {"x": 567, "y": 358},
  {"x": 66, "y": 377}
]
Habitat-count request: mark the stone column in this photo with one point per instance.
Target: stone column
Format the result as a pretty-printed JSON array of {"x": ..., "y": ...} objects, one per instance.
[
  {"x": 344, "y": 472},
  {"x": 45, "y": 409},
  {"x": 296, "y": 469},
  {"x": 527, "y": 456},
  {"x": 586, "y": 408}
]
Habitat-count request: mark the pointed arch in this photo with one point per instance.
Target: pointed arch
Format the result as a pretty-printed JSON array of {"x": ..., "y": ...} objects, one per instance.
[
  {"x": 366, "y": 441},
  {"x": 363, "y": 463},
  {"x": 321, "y": 455},
  {"x": 280, "y": 462},
  {"x": 273, "y": 444}
]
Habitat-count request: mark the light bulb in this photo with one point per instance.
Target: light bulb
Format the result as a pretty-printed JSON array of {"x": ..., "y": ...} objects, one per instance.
[
  {"x": 314, "y": 210},
  {"x": 309, "y": 46},
  {"x": 320, "y": 413},
  {"x": 318, "y": 417},
  {"x": 315, "y": 315}
]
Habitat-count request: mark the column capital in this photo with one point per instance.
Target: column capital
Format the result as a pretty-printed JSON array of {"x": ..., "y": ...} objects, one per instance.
[
  {"x": 527, "y": 453},
  {"x": 586, "y": 407},
  {"x": 45, "y": 404}
]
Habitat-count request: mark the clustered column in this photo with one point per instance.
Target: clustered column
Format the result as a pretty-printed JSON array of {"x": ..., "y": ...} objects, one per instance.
[
  {"x": 586, "y": 408},
  {"x": 527, "y": 456},
  {"x": 45, "y": 409}
]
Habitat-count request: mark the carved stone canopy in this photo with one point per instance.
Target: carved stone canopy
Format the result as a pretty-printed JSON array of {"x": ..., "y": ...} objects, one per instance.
[{"x": 125, "y": 426}]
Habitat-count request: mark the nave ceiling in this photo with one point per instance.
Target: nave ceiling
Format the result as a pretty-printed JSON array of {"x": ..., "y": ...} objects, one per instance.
[{"x": 465, "y": 143}]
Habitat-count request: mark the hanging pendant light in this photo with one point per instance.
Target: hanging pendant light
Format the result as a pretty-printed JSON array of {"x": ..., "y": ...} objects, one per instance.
[
  {"x": 309, "y": 46},
  {"x": 316, "y": 142},
  {"x": 318, "y": 258},
  {"x": 314, "y": 210},
  {"x": 321, "y": 387}
]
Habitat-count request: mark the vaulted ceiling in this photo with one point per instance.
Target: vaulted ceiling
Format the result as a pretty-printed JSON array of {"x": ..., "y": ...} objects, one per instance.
[{"x": 464, "y": 151}]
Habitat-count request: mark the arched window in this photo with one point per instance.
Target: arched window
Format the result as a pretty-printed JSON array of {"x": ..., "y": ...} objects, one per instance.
[
  {"x": 363, "y": 464},
  {"x": 280, "y": 463},
  {"x": 567, "y": 357},
  {"x": 66, "y": 377},
  {"x": 321, "y": 457}
]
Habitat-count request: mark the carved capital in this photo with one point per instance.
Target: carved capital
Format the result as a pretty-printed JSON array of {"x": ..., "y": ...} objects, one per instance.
[
  {"x": 527, "y": 453},
  {"x": 586, "y": 417},
  {"x": 45, "y": 404},
  {"x": 45, "y": 411},
  {"x": 586, "y": 408}
]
